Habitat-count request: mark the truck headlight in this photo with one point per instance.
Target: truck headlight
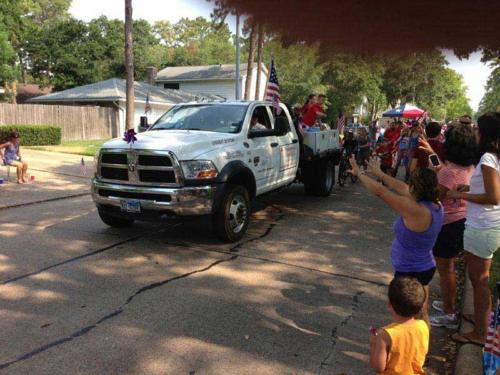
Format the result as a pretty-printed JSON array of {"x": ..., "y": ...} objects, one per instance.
[{"x": 198, "y": 169}]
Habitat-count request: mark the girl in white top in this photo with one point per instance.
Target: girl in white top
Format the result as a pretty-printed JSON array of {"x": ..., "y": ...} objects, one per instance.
[{"x": 482, "y": 232}]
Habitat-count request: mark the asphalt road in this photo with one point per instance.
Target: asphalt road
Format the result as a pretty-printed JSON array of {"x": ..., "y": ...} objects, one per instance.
[{"x": 295, "y": 296}]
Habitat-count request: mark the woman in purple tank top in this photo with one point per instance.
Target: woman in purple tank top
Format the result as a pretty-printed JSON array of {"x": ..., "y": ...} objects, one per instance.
[{"x": 419, "y": 223}]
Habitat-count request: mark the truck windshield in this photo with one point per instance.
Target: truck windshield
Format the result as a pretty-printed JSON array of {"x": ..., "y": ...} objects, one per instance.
[{"x": 205, "y": 117}]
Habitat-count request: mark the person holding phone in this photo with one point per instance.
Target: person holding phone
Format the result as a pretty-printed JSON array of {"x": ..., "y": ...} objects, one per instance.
[
  {"x": 419, "y": 223},
  {"x": 420, "y": 159},
  {"x": 460, "y": 148},
  {"x": 482, "y": 226}
]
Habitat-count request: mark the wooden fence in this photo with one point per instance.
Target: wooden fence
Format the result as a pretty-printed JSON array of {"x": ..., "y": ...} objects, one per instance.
[{"x": 77, "y": 123}]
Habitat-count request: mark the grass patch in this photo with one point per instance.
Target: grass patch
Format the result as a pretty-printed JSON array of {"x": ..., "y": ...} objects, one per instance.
[
  {"x": 495, "y": 276},
  {"x": 87, "y": 148}
]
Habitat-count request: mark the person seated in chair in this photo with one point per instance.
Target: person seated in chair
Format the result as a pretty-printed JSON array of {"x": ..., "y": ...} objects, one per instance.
[
  {"x": 12, "y": 156},
  {"x": 255, "y": 125}
]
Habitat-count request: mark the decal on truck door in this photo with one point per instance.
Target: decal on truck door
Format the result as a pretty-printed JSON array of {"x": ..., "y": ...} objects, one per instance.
[{"x": 288, "y": 159}]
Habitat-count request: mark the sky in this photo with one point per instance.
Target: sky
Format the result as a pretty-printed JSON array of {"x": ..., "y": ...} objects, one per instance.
[{"x": 475, "y": 73}]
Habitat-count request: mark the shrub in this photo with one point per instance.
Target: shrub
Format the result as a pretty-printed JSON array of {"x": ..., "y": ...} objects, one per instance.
[{"x": 33, "y": 135}]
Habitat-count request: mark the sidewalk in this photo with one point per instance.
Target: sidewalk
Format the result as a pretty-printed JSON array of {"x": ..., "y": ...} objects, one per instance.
[
  {"x": 470, "y": 357},
  {"x": 56, "y": 176}
]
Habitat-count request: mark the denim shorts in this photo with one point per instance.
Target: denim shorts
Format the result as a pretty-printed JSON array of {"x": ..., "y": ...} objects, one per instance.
[{"x": 482, "y": 243}]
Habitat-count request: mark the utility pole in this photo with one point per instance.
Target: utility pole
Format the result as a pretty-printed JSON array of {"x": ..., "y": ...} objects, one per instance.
[
  {"x": 238, "y": 84},
  {"x": 252, "y": 45},
  {"x": 260, "y": 45},
  {"x": 129, "y": 65}
]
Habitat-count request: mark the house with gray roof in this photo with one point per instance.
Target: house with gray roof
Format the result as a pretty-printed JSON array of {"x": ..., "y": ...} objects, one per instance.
[
  {"x": 217, "y": 80},
  {"x": 112, "y": 93}
]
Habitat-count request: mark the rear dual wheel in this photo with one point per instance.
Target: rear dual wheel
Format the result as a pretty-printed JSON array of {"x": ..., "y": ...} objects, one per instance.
[{"x": 319, "y": 177}]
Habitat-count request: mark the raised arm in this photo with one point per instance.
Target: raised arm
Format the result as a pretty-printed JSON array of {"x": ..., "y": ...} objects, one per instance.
[
  {"x": 404, "y": 205},
  {"x": 393, "y": 183}
]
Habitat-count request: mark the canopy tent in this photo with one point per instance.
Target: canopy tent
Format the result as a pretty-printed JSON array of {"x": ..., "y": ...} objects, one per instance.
[{"x": 406, "y": 111}]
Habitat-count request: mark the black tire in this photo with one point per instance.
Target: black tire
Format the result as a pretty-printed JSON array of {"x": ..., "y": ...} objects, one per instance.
[
  {"x": 325, "y": 177},
  {"x": 309, "y": 178},
  {"x": 113, "y": 221},
  {"x": 232, "y": 217},
  {"x": 342, "y": 174}
]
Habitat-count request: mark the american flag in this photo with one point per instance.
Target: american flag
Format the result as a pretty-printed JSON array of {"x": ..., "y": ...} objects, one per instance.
[
  {"x": 83, "y": 167},
  {"x": 147, "y": 107},
  {"x": 491, "y": 356},
  {"x": 273, "y": 89},
  {"x": 341, "y": 124}
]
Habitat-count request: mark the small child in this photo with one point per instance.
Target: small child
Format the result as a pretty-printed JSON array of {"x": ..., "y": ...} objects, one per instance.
[
  {"x": 403, "y": 145},
  {"x": 401, "y": 347},
  {"x": 384, "y": 152}
]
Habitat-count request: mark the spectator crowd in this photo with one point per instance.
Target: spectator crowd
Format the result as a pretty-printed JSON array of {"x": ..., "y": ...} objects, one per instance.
[{"x": 448, "y": 202}]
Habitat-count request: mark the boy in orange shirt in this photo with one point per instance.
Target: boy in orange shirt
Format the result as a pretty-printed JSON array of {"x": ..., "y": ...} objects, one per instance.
[{"x": 400, "y": 347}]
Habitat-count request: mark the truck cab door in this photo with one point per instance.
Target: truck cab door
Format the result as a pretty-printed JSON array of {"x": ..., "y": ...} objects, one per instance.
[
  {"x": 289, "y": 151},
  {"x": 263, "y": 154}
]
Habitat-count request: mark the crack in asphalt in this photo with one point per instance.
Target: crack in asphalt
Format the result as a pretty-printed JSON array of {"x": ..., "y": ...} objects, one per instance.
[
  {"x": 44, "y": 201},
  {"x": 343, "y": 323},
  {"x": 71, "y": 260},
  {"x": 121, "y": 308},
  {"x": 111, "y": 315}
]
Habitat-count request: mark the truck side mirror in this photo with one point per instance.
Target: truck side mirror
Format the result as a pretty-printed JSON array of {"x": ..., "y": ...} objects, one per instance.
[
  {"x": 143, "y": 124},
  {"x": 281, "y": 126}
]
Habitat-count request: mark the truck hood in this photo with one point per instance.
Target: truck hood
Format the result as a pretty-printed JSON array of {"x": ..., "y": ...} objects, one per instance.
[{"x": 185, "y": 144}]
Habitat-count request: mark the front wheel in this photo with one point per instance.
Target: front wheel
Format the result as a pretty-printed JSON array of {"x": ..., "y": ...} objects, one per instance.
[{"x": 232, "y": 217}]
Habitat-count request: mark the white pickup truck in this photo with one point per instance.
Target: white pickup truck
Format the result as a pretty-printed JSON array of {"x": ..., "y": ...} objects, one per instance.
[{"x": 210, "y": 159}]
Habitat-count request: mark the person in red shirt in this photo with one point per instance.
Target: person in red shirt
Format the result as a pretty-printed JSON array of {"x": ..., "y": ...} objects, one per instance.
[
  {"x": 393, "y": 133},
  {"x": 420, "y": 158},
  {"x": 384, "y": 152},
  {"x": 313, "y": 111}
]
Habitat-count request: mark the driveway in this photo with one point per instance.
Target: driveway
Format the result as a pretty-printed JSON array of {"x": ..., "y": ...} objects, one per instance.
[{"x": 295, "y": 296}]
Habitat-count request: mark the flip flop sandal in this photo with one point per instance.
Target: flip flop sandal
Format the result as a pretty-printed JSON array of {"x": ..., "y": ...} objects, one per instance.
[
  {"x": 461, "y": 339},
  {"x": 469, "y": 318}
]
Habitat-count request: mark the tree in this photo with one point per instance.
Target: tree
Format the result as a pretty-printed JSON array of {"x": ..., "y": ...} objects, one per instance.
[
  {"x": 42, "y": 11},
  {"x": 491, "y": 98},
  {"x": 195, "y": 42},
  {"x": 300, "y": 72},
  {"x": 352, "y": 80},
  {"x": 252, "y": 45},
  {"x": 260, "y": 46}
]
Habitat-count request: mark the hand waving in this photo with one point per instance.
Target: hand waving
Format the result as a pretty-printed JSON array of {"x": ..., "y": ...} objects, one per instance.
[
  {"x": 354, "y": 166},
  {"x": 374, "y": 168}
]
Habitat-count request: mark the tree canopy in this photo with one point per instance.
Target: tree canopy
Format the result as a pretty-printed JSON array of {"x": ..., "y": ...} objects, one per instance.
[{"x": 40, "y": 42}]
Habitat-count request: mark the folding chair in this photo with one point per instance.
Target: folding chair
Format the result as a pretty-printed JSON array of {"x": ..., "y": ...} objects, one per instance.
[{"x": 8, "y": 168}]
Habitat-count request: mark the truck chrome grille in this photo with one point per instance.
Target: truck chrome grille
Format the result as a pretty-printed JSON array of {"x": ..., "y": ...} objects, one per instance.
[
  {"x": 140, "y": 167},
  {"x": 143, "y": 196},
  {"x": 114, "y": 158},
  {"x": 154, "y": 160},
  {"x": 114, "y": 173},
  {"x": 157, "y": 176}
]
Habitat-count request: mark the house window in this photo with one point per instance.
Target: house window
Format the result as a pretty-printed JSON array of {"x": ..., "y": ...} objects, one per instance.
[{"x": 173, "y": 86}]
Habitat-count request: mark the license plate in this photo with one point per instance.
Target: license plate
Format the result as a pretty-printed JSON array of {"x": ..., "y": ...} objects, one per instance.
[{"x": 130, "y": 206}]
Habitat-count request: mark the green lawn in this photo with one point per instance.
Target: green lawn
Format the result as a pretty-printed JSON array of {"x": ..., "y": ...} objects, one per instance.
[{"x": 88, "y": 148}]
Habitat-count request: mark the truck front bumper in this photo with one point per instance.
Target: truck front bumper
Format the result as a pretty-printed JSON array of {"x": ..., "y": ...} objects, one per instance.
[{"x": 185, "y": 201}]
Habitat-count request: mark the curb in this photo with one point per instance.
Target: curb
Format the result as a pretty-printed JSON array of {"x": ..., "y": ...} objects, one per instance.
[{"x": 469, "y": 357}]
